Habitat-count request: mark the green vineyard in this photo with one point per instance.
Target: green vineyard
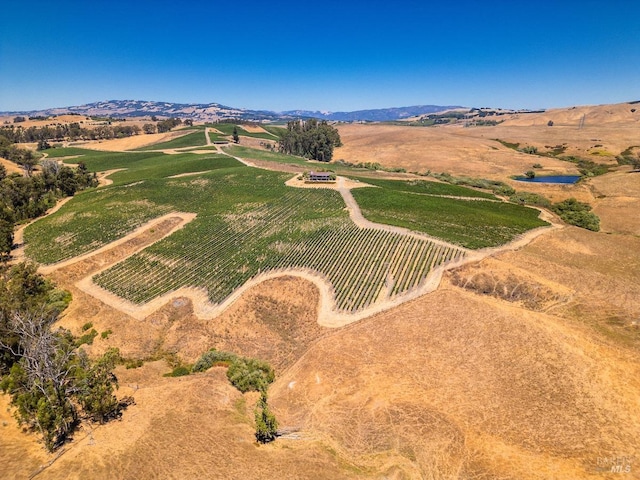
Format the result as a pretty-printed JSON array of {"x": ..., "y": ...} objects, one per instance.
[
  {"x": 361, "y": 265},
  {"x": 249, "y": 223}
]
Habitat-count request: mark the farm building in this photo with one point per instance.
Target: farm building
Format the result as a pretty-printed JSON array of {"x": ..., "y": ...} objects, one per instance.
[{"x": 321, "y": 177}]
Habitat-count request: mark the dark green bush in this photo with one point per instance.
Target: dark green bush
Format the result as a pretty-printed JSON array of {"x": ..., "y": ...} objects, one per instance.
[
  {"x": 104, "y": 335},
  {"x": 87, "y": 338},
  {"x": 577, "y": 213},
  {"x": 527, "y": 198},
  {"x": 87, "y": 326},
  {"x": 266, "y": 423},
  {"x": 250, "y": 374},
  {"x": 211, "y": 358}
]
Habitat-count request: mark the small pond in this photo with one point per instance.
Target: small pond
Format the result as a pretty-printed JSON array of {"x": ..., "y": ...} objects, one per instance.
[{"x": 552, "y": 179}]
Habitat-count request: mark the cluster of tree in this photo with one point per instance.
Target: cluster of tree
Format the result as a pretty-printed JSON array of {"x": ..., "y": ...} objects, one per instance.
[
  {"x": 23, "y": 197},
  {"x": 53, "y": 385},
  {"x": 70, "y": 131},
  {"x": 310, "y": 139},
  {"x": 14, "y": 153},
  {"x": 75, "y": 131},
  {"x": 166, "y": 125}
]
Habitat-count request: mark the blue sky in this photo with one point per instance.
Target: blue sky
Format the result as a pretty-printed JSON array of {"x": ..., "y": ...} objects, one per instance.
[{"x": 320, "y": 55}]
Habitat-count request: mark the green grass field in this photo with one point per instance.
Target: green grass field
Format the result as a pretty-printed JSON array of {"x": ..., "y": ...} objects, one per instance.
[
  {"x": 248, "y": 222},
  {"x": 218, "y": 137}
]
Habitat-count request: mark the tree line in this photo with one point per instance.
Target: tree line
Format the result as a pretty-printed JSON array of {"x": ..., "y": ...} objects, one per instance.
[
  {"x": 75, "y": 131},
  {"x": 52, "y": 382},
  {"x": 310, "y": 139}
]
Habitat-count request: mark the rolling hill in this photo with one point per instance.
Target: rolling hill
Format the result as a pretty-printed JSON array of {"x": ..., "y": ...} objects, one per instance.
[{"x": 216, "y": 111}]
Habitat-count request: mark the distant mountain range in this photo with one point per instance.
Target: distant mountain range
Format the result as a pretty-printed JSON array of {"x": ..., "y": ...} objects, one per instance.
[{"x": 214, "y": 111}]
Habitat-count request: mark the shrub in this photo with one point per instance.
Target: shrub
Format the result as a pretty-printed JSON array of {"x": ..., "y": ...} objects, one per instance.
[
  {"x": 87, "y": 326},
  {"x": 530, "y": 174},
  {"x": 250, "y": 374},
  {"x": 527, "y": 198},
  {"x": 211, "y": 358},
  {"x": 133, "y": 363},
  {"x": 577, "y": 213},
  {"x": 266, "y": 423},
  {"x": 87, "y": 338},
  {"x": 104, "y": 335},
  {"x": 537, "y": 165}
]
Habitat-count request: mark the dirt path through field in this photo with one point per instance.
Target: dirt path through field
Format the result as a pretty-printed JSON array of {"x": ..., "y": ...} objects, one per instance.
[
  {"x": 356, "y": 216},
  {"x": 220, "y": 150}
]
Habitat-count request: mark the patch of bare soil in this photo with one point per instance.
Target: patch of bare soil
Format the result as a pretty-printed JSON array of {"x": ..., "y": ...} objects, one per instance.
[
  {"x": 254, "y": 129},
  {"x": 253, "y": 142},
  {"x": 500, "y": 280},
  {"x": 20, "y": 452}
]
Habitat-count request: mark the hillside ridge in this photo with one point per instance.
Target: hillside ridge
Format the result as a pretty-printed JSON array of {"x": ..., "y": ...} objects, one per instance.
[{"x": 217, "y": 111}]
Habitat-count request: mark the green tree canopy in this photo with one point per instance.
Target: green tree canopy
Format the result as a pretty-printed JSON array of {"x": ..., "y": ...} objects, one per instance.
[{"x": 310, "y": 139}]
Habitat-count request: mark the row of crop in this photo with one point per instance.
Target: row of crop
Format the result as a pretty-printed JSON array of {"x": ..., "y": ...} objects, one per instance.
[
  {"x": 212, "y": 258},
  {"x": 222, "y": 252},
  {"x": 358, "y": 263},
  {"x": 222, "y": 257}
]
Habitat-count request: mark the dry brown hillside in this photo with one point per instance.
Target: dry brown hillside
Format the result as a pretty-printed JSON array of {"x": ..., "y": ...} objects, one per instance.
[
  {"x": 525, "y": 365},
  {"x": 607, "y": 130}
]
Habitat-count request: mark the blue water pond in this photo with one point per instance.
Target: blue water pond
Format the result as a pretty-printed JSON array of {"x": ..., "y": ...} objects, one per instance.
[{"x": 552, "y": 179}]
